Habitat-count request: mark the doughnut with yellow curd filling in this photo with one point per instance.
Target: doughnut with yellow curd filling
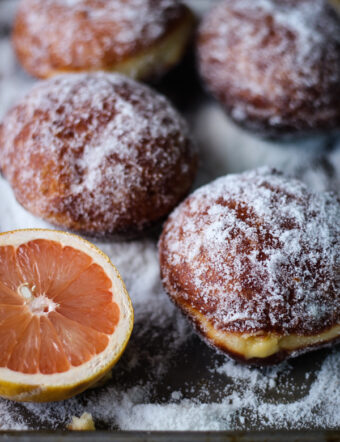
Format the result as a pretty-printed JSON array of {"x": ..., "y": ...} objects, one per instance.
[{"x": 253, "y": 260}]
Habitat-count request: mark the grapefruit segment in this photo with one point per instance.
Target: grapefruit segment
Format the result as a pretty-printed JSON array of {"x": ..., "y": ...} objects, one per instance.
[
  {"x": 87, "y": 283},
  {"x": 80, "y": 343},
  {"x": 8, "y": 311},
  {"x": 52, "y": 355},
  {"x": 25, "y": 354},
  {"x": 65, "y": 315},
  {"x": 9, "y": 272},
  {"x": 84, "y": 314},
  {"x": 11, "y": 330},
  {"x": 26, "y": 257},
  {"x": 8, "y": 296},
  {"x": 49, "y": 266},
  {"x": 71, "y": 264}
]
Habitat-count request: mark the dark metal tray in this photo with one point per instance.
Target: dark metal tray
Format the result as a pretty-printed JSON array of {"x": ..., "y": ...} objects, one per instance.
[{"x": 166, "y": 367}]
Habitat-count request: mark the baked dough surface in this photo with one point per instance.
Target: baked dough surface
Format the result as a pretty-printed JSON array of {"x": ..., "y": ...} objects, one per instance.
[{"x": 254, "y": 260}]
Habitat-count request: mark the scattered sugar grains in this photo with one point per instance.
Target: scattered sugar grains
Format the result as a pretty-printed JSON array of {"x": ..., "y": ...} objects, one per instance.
[
  {"x": 132, "y": 400},
  {"x": 167, "y": 379}
]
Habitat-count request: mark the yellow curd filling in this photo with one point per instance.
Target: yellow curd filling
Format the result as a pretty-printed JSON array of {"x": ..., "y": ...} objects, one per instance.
[{"x": 262, "y": 345}]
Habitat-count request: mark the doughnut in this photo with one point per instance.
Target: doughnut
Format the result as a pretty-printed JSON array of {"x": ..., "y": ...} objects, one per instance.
[
  {"x": 97, "y": 153},
  {"x": 140, "y": 38},
  {"x": 253, "y": 260},
  {"x": 274, "y": 64}
]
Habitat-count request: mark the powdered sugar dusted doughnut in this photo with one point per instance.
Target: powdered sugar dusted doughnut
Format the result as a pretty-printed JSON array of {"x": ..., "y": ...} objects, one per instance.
[
  {"x": 254, "y": 261},
  {"x": 140, "y": 38},
  {"x": 97, "y": 153},
  {"x": 274, "y": 64}
]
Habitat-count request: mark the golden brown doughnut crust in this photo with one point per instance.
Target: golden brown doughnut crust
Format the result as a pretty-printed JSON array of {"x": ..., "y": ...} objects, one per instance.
[
  {"x": 257, "y": 254},
  {"x": 97, "y": 153},
  {"x": 59, "y": 36},
  {"x": 274, "y": 64}
]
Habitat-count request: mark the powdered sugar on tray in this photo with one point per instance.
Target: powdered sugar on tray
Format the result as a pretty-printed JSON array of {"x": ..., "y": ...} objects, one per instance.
[
  {"x": 168, "y": 379},
  {"x": 144, "y": 393},
  {"x": 225, "y": 148},
  {"x": 246, "y": 403}
]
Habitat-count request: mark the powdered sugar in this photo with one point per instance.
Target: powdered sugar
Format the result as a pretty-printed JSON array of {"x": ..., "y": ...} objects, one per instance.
[
  {"x": 225, "y": 148},
  {"x": 167, "y": 378},
  {"x": 91, "y": 33},
  {"x": 258, "y": 253},
  {"x": 310, "y": 26},
  {"x": 111, "y": 140},
  {"x": 243, "y": 406},
  {"x": 248, "y": 403},
  {"x": 265, "y": 60},
  {"x": 141, "y": 19}
]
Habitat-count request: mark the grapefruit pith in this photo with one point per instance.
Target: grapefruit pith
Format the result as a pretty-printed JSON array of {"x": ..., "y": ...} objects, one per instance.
[{"x": 65, "y": 315}]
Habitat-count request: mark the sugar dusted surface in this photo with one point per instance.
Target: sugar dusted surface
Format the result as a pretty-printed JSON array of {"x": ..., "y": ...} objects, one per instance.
[
  {"x": 76, "y": 34},
  {"x": 306, "y": 21},
  {"x": 256, "y": 252},
  {"x": 145, "y": 19},
  {"x": 97, "y": 143},
  {"x": 262, "y": 59},
  {"x": 147, "y": 390}
]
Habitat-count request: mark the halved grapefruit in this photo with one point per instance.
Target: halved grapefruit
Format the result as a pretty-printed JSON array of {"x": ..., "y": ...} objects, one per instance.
[{"x": 65, "y": 315}]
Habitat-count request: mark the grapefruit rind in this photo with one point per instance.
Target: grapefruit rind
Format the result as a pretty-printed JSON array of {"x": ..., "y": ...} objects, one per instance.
[{"x": 59, "y": 386}]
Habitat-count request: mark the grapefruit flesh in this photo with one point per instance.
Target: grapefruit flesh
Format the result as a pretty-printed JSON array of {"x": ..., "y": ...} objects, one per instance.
[{"x": 57, "y": 308}]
